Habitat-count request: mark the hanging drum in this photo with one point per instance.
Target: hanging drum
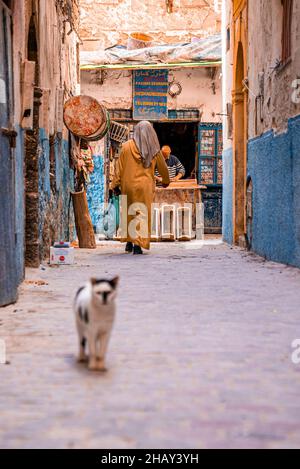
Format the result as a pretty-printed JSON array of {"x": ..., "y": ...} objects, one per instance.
[
  {"x": 102, "y": 131},
  {"x": 86, "y": 118}
]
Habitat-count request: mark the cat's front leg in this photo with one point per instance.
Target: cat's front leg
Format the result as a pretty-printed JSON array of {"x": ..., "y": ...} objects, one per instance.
[
  {"x": 93, "y": 363},
  {"x": 82, "y": 356},
  {"x": 104, "y": 340}
]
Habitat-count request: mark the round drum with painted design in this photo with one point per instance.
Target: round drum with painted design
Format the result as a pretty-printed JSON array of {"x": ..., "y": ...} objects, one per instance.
[{"x": 85, "y": 117}]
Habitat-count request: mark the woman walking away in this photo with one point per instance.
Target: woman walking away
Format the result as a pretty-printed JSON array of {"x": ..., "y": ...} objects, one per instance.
[{"x": 135, "y": 176}]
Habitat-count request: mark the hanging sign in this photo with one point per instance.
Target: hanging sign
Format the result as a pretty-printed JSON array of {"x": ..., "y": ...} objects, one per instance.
[{"x": 150, "y": 95}]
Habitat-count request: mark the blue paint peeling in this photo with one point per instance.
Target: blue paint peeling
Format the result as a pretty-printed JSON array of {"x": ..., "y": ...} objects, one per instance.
[
  {"x": 19, "y": 205},
  {"x": 59, "y": 201},
  {"x": 66, "y": 187},
  {"x": 44, "y": 179},
  {"x": 294, "y": 126},
  {"x": 274, "y": 165},
  {"x": 270, "y": 166},
  {"x": 95, "y": 194}
]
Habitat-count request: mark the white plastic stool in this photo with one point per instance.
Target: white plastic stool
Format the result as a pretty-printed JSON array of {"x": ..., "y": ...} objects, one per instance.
[
  {"x": 168, "y": 222},
  {"x": 184, "y": 218},
  {"x": 200, "y": 225},
  {"x": 156, "y": 224}
]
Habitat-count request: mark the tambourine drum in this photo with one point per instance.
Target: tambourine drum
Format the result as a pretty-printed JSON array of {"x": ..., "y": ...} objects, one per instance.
[
  {"x": 102, "y": 131},
  {"x": 85, "y": 117}
]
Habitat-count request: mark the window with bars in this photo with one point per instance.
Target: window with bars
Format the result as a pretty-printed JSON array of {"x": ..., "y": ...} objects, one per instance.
[
  {"x": 210, "y": 154},
  {"x": 184, "y": 114},
  {"x": 176, "y": 114},
  {"x": 287, "y": 30},
  {"x": 120, "y": 114}
]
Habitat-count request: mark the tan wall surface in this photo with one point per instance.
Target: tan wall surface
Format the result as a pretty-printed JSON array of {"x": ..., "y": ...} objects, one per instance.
[
  {"x": 107, "y": 22},
  {"x": 227, "y": 68},
  {"x": 57, "y": 51},
  {"x": 197, "y": 91},
  {"x": 264, "y": 50}
]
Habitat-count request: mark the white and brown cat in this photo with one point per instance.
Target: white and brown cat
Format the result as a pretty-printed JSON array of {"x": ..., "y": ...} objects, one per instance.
[{"x": 95, "y": 310}]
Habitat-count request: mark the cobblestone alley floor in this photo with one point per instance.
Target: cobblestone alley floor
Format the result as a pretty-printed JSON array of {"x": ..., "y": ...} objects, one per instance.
[{"x": 200, "y": 356}]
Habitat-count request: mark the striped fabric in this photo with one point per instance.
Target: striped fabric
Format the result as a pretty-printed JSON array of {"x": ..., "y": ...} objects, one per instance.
[{"x": 175, "y": 167}]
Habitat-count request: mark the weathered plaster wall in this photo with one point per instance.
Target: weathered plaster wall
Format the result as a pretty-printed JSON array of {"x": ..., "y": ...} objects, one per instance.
[
  {"x": 18, "y": 46},
  {"x": 274, "y": 133},
  {"x": 19, "y": 204},
  {"x": 58, "y": 68},
  {"x": 274, "y": 166},
  {"x": 294, "y": 127},
  {"x": 264, "y": 52},
  {"x": 58, "y": 61},
  {"x": 227, "y": 85},
  {"x": 227, "y": 68},
  {"x": 47, "y": 205},
  {"x": 114, "y": 90},
  {"x": 108, "y": 22}
]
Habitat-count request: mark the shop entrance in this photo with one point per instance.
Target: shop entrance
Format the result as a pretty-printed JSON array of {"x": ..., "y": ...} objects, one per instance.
[
  {"x": 182, "y": 137},
  {"x": 199, "y": 148}
]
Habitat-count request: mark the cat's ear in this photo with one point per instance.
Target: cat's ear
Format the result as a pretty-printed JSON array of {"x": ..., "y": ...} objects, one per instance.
[
  {"x": 115, "y": 282},
  {"x": 94, "y": 281}
]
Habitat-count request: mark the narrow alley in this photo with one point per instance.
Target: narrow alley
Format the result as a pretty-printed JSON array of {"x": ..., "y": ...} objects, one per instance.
[
  {"x": 201, "y": 355},
  {"x": 149, "y": 226}
]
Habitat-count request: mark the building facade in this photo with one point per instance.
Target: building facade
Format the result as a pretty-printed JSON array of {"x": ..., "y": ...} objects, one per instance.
[
  {"x": 193, "y": 112},
  {"x": 167, "y": 21},
  {"x": 261, "y": 206},
  {"x": 39, "y": 71}
]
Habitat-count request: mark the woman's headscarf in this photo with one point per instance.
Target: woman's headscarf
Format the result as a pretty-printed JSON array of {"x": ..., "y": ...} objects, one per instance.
[{"x": 146, "y": 141}]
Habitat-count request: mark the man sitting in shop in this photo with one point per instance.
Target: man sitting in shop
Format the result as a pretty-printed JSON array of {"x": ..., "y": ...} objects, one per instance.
[{"x": 175, "y": 167}]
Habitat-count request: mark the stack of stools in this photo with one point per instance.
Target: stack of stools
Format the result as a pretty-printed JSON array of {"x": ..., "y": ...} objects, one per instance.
[{"x": 172, "y": 222}]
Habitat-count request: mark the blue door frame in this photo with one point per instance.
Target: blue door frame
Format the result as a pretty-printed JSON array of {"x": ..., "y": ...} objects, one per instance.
[
  {"x": 8, "y": 273},
  {"x": 210, "y": 174},
  {"x": 210, "y": 148}
]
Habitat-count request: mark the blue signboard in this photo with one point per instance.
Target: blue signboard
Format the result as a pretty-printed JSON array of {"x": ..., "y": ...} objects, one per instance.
[{"x": 150, "y": 95}]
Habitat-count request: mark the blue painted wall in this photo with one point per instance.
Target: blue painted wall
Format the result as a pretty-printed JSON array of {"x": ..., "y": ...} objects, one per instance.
[
  {"x": 19, "y": 205},
  {"x": 44, "y": 180},
  {"x": 227, "y": 196},
  {"x": 64, "y": 187},
  {"x": 270, "y": 165},
  {"x": 56, "y": 219},
  {"x": 274, "y": 166},
  {"x": 294, "y": 126},
  {"x": 95, "y": 194}
]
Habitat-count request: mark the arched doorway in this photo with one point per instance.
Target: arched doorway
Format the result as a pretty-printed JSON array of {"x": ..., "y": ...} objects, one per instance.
[{"x": 239, "y": 146}]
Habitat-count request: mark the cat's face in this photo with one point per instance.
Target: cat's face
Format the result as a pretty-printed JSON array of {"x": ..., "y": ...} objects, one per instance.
[{"x": 104, "y": 291}]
